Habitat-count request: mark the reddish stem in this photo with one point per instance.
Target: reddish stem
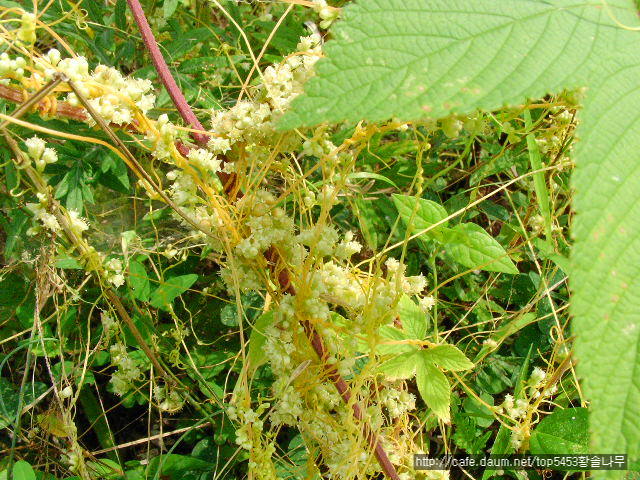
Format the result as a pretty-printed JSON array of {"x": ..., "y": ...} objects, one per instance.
[
  {"x": 229, "y": 182},
  {"x": 165, "y": 75}
]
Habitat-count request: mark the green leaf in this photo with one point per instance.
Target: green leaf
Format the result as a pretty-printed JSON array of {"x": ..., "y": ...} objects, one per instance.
[
  {"x": 178, "y": 465},
  {"x": 169, "y": 290},
  {"x": 139, "y": 281},
  {"x": 74, "y": 187},
  {"x": 605, "y": 261},
  {"x": 256, "y": 355},
  {"x": 426, "y": 213},
  {"x": 414, "y": 320},
  {"x": 469, "y": 245},
  {"x": 370, "y": 175},
  {"x": 448, "y": 357},
  {"x": 9, "y": 402},
  {"x": 411, "y": 58},
  {"x": 562, "y": 432},
  {"x": 114, "y": 173},
  {"x": 23, "y": 471},
  {"x": 401, "y": 366},
  {"x": 369, "y": 221},
  {"x": 120, "y": 14},
  {"x": 105, "y": 468},
  {"x": 68, "y": 263},
  {"x": 12, "y": 290},
  {"x": 434, "y": 388},
  {"x": 169, "y": 7},
  {"x": 388, "y": 343}
]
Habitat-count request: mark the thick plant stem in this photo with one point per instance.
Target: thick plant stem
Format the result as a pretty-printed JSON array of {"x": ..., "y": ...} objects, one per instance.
[
  {"x": 228, "y": 181},
  {"x": 165, "y": 75}
]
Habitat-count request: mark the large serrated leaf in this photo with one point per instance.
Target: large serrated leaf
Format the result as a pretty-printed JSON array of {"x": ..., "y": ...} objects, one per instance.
[
  {"x": 415, "y": 58},
  {"x": 400, "y": 366},
  {"x": 448, "y": 357},
  {"x": 414, "y": 320}
]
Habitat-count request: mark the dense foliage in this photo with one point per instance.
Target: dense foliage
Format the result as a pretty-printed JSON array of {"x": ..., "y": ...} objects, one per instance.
[{"x": 238, "y": 300}]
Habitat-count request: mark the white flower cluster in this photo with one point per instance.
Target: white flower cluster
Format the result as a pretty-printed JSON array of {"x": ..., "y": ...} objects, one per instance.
[
  {"x": 49, "y": 221},
  {"x": 289, "y": 407},
  {"x": 115, "y": 276},
  {"x": 268, "y": 225},
  {"x": 204, "y": 160},
  {"x": 252, "y": 122},
  {"x": 284, "y": 82},
  {"x": 128, "y": 370},
  {"x": 251, "y": 423},
  {"x": 279, "y": 346},
  {"x": 246, "y": 121},
  {"x": 163, "y": 137},
  {"x": 170, "y": 401},
  {"x": 536, "y": 390},
  {"x": 323, "y": 241},
  {"x": 11, "y": 67},
  {"x": 40, "y": 153},
  {"x": 41, "y": 215},
  {"x": 76, "y": 222},
  {"x": 515, "y": 409},
  {"x": 109, "y": 325},
  {"x": 112, "y": 95},
  {"x": 115, "y": 97},
  {"x": 327, "y": 14},
  {"x": 397, "y": 401},
  {"x": 410, "y": 285},
  {"x": 426, "y": 303}
]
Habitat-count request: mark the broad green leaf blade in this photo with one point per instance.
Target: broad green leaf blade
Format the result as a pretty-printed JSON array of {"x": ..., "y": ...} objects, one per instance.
[
  {"x": 256, "y": 355},
  {"x": 434, "y": 389},
  {"x": 389, "y": 341},
  {"x": 139, "y": 281},
  {"x": 448, "y": 357},
  {"x": 400, "y": 366},
  {"x": 414, "y": 320},
  {"x": 605, "y": 262},
  {"x": 561, "y": 433},
  {"x": 172, "y": 288},
  {"x": 426, "y": 212},
  {"x": 415, "y": 58},
  {"x": 23, "y": 471},
  {"x": 469, "y": 245}
]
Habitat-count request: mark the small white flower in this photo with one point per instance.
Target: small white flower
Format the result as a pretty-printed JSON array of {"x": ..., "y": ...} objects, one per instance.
[
  {"x": 66, "y": 392},
  {"x": 427, "y": 303},
  {"x": 35, "y": 147}
]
